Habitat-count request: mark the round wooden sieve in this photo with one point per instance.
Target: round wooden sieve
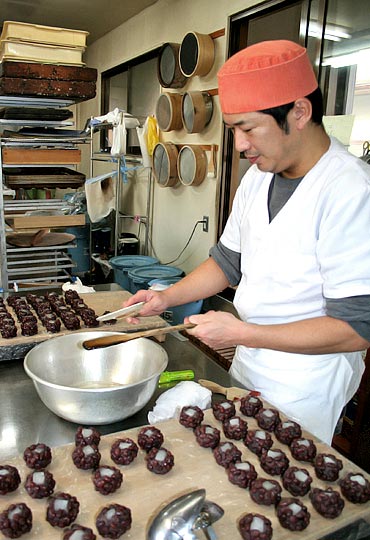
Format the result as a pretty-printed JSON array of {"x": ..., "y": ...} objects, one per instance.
[
  {"x": 165, "y": 164},
  {"x": 196, "y": 111},
  {"x": 192, "y": 165},
  {"x": 168, "y": 111},
  {"x": 168, "y": 67},
  {"x": 197, "y": 54}
]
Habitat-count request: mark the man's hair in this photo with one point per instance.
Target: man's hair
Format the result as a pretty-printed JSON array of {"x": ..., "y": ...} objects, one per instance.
[{"x": 280, "y": 113}]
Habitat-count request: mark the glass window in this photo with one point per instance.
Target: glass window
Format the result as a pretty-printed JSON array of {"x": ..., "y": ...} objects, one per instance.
[
  {"x": 345, "y": 78},
  {"x": 134, "y": 88}
]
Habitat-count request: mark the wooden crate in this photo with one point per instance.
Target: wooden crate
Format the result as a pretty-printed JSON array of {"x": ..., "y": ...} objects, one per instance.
[
  {"x": 53, "y": 156},
  {"x": 28, "y": 70},
  {"x": 47, "y": 87}
]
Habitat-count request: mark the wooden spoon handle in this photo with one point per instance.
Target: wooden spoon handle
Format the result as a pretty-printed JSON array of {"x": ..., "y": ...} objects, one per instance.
[
  {"x": 214, "y": 387},
  {"x": 38, "y": 237},
  {"x": 106, "y": 341}
]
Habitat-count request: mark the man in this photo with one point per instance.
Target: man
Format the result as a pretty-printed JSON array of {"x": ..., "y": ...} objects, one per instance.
[{"x": 297, "y": 244}]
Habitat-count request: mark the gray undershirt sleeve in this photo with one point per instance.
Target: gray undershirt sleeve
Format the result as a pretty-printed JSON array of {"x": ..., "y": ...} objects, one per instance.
[
  {"x": 228, "y": 261},
  {"x": 355, "y": 310}
]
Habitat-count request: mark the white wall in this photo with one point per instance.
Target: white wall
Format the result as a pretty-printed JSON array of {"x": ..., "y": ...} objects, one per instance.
[{"x": 174, "y": 210}]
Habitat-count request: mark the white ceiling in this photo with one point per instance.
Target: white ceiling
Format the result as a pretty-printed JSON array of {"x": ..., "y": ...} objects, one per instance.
[{"x": 96, "y": 16}]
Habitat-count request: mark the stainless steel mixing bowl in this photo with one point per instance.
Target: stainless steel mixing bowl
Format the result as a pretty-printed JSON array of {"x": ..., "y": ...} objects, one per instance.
[{"x": 99, "y": 386}]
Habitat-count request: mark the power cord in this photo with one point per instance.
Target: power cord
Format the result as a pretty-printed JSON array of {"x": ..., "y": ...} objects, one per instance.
[{"x": 200, "y": 221}]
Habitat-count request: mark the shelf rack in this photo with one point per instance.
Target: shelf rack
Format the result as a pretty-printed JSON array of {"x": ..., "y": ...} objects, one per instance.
[
  {"x": 123, "y": 165},
  {"x": 44, "y": 266}
]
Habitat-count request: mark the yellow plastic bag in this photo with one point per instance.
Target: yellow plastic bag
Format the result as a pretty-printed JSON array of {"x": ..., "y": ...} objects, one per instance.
[{"x": 151, "y": 133}]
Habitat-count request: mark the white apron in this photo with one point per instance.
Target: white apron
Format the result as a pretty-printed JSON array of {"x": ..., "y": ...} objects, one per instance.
[
  {"x": 310, "y": 389},
  {"x": 282, "y": 281}
]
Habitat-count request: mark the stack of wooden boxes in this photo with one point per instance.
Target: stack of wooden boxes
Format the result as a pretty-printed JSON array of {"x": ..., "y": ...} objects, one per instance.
[{"x": 44, "y": 61}]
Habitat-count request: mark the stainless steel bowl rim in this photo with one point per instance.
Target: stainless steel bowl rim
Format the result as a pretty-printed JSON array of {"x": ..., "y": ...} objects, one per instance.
[{"x": 99, "y": 389}]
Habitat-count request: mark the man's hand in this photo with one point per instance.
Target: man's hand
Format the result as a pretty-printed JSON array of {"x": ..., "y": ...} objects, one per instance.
[
  {"x": 217, "y": 328},
  {"x": 155, "y": 303}
]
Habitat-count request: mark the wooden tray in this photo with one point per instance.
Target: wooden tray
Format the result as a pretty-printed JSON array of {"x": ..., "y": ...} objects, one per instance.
[
  {"x": 99, "y": 302},
  {"x": 145, "y": 493},
  {"x": 30, "y": 156},
  {"x": 17, "y": 221},
  {"x": 49, "y": 177},
  {"x": 47, "y": 88},
  {"x": 28, "y": 70}
]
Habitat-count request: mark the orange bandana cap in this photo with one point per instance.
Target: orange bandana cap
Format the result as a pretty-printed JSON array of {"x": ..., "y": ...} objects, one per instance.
[{"x": 265, "y": 75}]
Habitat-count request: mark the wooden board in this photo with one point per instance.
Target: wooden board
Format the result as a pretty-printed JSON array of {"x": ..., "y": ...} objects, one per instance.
[
  {"x": 17, "y": 221},
  {"x": 99, "y": 302},
  {"x": 47, "y": 88},
  {"x": 43, "y": 177},
  {"x": 145, "y": 493},
  {"x": 30, "y": 70},
  {"x": 40, "y": 239},
  {"x": 35, "y": 156}
]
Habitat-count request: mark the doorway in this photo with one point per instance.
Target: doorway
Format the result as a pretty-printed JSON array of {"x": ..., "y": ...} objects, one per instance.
[{"x": 336, "y": 34}]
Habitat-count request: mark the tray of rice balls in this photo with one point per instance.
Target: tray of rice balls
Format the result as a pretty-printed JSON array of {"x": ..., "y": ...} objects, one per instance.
[
  {"x": 33, "y": 318},
  {"x": 271, "y": 478}
]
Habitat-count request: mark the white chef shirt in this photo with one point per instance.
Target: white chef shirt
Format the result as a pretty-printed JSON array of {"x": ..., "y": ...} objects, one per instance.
[{"x": 326, "y": 222}]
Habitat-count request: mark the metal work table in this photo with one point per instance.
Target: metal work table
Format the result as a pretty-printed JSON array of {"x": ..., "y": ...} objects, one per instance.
[{"x": 24, "y": 419}]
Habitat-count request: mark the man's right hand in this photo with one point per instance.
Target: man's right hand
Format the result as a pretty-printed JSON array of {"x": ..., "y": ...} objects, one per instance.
[{"x": 155, "y": 303}]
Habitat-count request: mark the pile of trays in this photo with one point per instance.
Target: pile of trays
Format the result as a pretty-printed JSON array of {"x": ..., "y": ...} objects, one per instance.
[
  {"x": 47, "y": 80},
  {"x": 37, "y": 43},
  {"x": 44, "y": 61}
]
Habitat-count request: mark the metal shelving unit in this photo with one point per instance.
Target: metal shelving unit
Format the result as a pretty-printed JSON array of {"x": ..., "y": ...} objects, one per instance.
[
  {"x": 43, "y": 265},
  {"x": 122, "y": 167},
  {"x": 46, "y": 266}
]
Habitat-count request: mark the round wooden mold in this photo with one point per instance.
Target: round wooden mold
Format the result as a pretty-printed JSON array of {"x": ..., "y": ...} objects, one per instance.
[
  {"x": 165, "y": 164},
  {"x": 168, "y": 67},
  {"x": 168, "y": 111},
  {"x": 196, "y": 111},
  {"x": 192, "y": 165},
  {"x": 197, "y": 54}
]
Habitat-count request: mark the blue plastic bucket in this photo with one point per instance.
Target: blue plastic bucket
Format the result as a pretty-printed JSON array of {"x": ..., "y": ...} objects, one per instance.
[
  {"x": 139, "y": 277},
  {"x": 177, "y": 314},
  {"x": 81, "y": 253},
  {"x": 122, "y": 264}
]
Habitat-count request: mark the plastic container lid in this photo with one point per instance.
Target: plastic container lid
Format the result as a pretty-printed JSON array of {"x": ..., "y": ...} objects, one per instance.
[
  {"x": 127, "y": 262},
  {"x": 162, "y": 284},
  {"x": 147, "y": 273}
]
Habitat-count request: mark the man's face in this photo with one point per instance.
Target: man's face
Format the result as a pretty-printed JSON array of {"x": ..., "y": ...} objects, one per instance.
[{"x": 262, "y": 141}]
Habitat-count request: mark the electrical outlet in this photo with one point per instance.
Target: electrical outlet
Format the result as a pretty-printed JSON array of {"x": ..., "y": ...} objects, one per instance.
[{"x": 205, "y": 223}]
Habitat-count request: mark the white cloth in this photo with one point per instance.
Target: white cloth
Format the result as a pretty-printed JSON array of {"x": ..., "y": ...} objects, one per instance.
[
  {"x": 100, "y": 196},
  {"x": 317, "y": 245},
  {"x": 78, "y": 286},
  {"x": 170, "y": 403},
  {"x": 121, "y": 121}
]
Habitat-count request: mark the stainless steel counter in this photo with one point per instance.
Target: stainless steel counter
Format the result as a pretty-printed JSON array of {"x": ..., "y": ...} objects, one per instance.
[{"x": 24, "y": 419}]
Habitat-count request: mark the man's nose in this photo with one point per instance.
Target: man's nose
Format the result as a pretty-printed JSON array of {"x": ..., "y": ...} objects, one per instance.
[{"x": 241, "y": 140}]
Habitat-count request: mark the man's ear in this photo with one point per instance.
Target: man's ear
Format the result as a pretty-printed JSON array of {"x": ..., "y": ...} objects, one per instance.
[{"x": 302, "y": 112}]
